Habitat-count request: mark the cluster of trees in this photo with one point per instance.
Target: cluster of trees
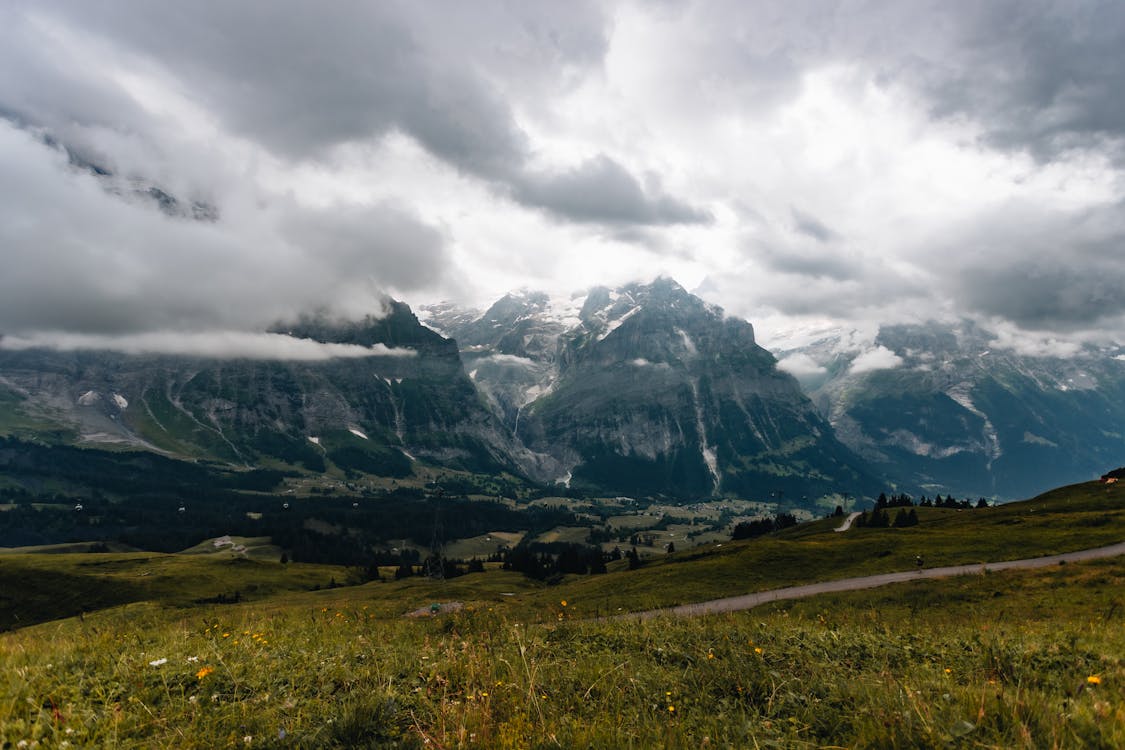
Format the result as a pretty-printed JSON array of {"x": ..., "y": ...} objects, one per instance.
[
  {"x": 541, "y": 561},
  {"x": 763, "y": 526},
  {"x": 881, "y": 519},
  {"x": 906, "y": 501},
  {"x": 549, "y": 561}
]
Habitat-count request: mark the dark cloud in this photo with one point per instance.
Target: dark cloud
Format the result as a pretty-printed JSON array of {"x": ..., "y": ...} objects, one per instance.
[
  {"x": 1041, "y": 76},
  {"x": 810, "y": 226},
  {"x": 1041, "y": 269},
  {"x": 1079, "y": 287},
  {"x": 601, "y": 190},
  {"x": 45, "y": 82},
  {"x": 301, "y": 79},
  {"x": 484, "y": 89},
  {"x": 1041, "y": 296},
  {"x": 798, "y": 261}
]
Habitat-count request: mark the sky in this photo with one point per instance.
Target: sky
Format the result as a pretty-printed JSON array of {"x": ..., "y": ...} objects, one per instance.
[{"x": 804, "y": 165}]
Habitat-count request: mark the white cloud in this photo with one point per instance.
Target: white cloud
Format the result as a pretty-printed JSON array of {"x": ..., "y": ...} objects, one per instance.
[
  {"x": 1031, "y": 344},
  {"x": 508, "y": 359},
  {"x": 801, "y": 365},
  {"x": 208, "y": 344},
  {"x": 879, "y": 358}
]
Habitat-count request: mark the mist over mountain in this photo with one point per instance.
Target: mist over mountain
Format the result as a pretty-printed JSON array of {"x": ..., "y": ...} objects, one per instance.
[
  {"x": 408, "y": 399},
  {"x": 644, "y": 389},
  {"x": 955, "y": 408}
]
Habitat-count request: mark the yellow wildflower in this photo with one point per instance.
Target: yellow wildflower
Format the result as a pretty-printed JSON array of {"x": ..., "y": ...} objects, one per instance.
[
  {"x": 203, "y": 672},
  {"x": 1094, "y": 680}
]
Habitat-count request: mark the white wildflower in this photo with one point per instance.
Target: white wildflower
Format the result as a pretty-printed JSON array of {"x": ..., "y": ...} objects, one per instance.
[{"x": 158, "y": 662}]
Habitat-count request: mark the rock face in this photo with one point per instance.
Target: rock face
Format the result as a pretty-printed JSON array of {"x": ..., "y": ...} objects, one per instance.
[
  {"x": 648, "y": 389},
  {"x": 375, "y": 414},
  {"x": 640, "y": 390},
  {"x": 958, "y": 413}
]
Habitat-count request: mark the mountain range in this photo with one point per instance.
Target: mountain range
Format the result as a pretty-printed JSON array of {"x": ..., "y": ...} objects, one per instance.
[
  {"x": 952, "y": 410},
  {"x": 649, "y": 389},
  {"x": 641, "y": 390}
]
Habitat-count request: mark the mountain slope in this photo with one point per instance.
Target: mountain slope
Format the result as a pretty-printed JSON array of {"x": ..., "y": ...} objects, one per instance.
[
  {"x": 373, "y": 414},
  {"x": 647, "y": 389},
  {"x": 955, "y": 412}
]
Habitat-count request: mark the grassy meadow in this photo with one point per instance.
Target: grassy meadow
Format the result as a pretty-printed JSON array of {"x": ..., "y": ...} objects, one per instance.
[{"x": 1014, "y": 659}]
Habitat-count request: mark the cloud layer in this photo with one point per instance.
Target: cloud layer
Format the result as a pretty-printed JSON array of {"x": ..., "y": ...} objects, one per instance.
[
  {"x": 797, "y": 161},
  {"x": 216, "y": 344}
]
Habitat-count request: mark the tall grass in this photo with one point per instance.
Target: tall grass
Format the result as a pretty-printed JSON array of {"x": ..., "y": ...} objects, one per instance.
[{"x": 1015, "y": 659}]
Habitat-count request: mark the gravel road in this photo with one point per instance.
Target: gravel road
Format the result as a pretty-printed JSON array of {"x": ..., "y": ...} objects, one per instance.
[{"x": 747, "y": 601}]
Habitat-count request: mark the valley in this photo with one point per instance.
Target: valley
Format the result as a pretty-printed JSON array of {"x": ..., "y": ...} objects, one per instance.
[{"x": 518, "y": 660}]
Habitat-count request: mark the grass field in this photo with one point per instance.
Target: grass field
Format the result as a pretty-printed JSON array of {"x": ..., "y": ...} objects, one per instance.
[{"x": 1018, "y": 659}]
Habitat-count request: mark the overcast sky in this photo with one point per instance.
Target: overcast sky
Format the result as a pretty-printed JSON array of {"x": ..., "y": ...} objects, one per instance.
[{"x": 798, "y": 163}]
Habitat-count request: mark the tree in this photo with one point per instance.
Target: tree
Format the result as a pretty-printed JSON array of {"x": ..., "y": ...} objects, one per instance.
[
  {"x": 404, "y": 570},
  {"x": 839, "y": 510},
  {"x": 671, "y": 547},
  {"x": 982, "y": 503},
  {"x": 597, "y": 561}
]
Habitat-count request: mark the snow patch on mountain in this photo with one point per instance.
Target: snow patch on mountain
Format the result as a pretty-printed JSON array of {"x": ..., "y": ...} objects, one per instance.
[
  {"x": 705, "y": 449},
  {"x": 615, "y": 323},
  {"x": 961, "y": 394},
  {"x": 689, "y": 345}
]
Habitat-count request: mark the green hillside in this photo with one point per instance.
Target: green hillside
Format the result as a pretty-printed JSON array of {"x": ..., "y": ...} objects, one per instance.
[{"x": 1011, "y": 659}]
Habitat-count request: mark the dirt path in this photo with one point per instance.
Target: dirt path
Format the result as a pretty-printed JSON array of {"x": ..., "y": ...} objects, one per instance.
[
  {"x": 847, "y": 524},
  {"x": 747, "y": 601}
]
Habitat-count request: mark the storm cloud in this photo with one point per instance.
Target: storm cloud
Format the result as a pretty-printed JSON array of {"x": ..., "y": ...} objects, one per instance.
[{"x": 858, "y": 162}]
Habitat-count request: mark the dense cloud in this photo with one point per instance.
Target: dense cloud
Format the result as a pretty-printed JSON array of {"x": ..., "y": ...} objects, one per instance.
[
  {"x": 861, "y": 162},
  {"x": 78, "y": 257}
]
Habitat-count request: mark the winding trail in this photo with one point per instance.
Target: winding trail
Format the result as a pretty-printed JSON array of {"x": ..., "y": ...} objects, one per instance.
[
  {"x": 847, "y": 524},
  {"x": 747, "y": 601}
]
